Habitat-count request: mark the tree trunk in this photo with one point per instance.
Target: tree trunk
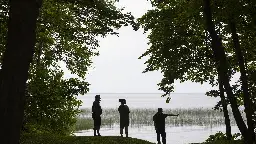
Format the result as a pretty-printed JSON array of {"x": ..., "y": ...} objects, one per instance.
[
  {"x": 225, "y": 110},
  {"x": 244, "y": 79},
  {"x": 16, "y": 60},
  {"x": 220, "y": 57}
]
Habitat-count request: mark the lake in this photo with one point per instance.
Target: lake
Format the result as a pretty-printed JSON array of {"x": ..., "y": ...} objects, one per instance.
[{"x": 176, "y": 134}]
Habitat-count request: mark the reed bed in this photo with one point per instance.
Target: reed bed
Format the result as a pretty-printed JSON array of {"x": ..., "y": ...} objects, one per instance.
[{"x": 144, "y": 117}]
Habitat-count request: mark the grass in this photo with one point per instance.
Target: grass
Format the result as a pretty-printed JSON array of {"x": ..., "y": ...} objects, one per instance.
[
  {"x": 53, "y": 139},
  {"x": 139, "y": 117}
]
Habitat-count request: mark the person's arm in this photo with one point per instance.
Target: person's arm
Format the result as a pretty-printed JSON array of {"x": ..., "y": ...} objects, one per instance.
[
  {"x": 93, "y": 108},
  {"x": 154, "y": 119},
  {"x": 172, "y": 115},
  {"x": 100, "y": 109},
  {"x": 128, "y": 109}
]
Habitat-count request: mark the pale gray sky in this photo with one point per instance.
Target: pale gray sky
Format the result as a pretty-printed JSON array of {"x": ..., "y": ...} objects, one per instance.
[{"x": 118, "y": 69}]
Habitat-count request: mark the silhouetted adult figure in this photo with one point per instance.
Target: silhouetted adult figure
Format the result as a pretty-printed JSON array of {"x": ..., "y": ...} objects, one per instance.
[
  {"x": 124, "y": 117},
  {"x": 159, "y": 123},
  {"x": 96, "y": 112}
]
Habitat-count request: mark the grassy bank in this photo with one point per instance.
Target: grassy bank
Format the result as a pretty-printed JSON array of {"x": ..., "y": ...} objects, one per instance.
[
  {"x": 139, "y": 117},
  {"x": 51, "y": 139}
]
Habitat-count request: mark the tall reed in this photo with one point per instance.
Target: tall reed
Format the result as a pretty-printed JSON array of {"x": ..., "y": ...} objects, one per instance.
[{"x": 141, "y": 117}]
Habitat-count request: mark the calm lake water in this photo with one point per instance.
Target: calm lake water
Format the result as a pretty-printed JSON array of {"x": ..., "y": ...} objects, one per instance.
[{"x": 175, "y": 135}]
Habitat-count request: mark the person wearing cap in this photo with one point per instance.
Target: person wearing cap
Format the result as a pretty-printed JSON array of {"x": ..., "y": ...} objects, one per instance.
[
  {"x": 124, "y": 117},
  {"x": 159, "y": 123},
  {"x": 96, "y": 112}
]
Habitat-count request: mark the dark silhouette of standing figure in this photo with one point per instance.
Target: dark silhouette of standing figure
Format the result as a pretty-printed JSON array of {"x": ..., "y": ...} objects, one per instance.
[
  {"x": 159, "y": 123},
  {"x": 124, "y": 117},
  {"x": 96, "y": 112}
]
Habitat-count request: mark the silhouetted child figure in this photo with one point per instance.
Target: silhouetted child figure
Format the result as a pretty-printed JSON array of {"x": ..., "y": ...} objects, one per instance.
[
  {"x": 159, "y": 123},
  {"x": 124, "y": 117},
  {"x": 96, "y": 112}
]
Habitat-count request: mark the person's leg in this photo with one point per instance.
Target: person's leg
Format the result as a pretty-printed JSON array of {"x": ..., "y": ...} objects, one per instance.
[
  {"x": 158, "y": 137},
  {"x": 126, "y": 131},
  {"x": 94, "y": 126},
  {"x": 98, "y": 128},
  {"x": 163, "y": 134},
  {"x": 98, "y": 132},
  {"x": 121, "y": 131}
]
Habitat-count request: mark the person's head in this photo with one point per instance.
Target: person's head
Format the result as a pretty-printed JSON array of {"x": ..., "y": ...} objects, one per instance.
[
  {"x": 97, "y": 98},
  {"x": 122, "y": 101},
  {"x": 160, "y": 110}
]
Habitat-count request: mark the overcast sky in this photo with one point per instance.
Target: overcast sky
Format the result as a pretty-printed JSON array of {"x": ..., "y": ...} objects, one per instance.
[{"x": 118, "y": 69}]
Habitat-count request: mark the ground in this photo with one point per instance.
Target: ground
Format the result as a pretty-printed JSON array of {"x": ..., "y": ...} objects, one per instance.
[
  {"x": 51, "y": 139},
  {"x": 80, "y": 140}
]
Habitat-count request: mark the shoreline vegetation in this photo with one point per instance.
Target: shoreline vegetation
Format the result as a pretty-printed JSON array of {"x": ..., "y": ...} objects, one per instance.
[
  {"x": 138, "y": 117},
  {"x": 143, "y": 117}
]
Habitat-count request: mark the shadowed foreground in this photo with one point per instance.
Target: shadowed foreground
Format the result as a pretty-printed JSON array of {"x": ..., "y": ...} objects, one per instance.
[{"x": 51, "y": 139}]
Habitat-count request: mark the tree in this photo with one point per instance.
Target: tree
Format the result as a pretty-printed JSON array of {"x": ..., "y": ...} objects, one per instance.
[
  {"x": 14, "y": 72},
  {"x": 66, "y": 31},
  {"x": 222, "y": 103},
  {"x": 182, "y": 49},
  {"x": 244, "y": 78},
  {"x": 220, "y": 57},
  {"x": 188, "y": 57}
]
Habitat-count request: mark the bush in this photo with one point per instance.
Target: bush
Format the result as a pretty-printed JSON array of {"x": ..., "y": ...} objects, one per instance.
[{"x": 221, "y": 138}]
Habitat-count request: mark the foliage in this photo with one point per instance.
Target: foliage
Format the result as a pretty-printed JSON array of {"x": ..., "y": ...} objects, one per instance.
[
  {"x": 70, "y": 31},
  {"x": 55, "y": 108},
  {"x": 179, "y": 44},
  {"x": 221, "y": 136}
]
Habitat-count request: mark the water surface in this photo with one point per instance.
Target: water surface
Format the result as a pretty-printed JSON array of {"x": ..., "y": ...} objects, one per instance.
[{"x": 174, "y": 135}]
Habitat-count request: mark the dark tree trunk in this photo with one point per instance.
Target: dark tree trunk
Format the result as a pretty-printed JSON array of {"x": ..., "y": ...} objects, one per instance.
[
  {"x": 220, "y": 57},
  {"x": 244, "y": 79},
  {"x": 225, "y": 110},
  {"x": 17, "y": 58}
]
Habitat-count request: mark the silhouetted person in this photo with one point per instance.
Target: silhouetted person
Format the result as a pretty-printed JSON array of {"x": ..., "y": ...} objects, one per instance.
[
  {"x": 159, "y": 123},
  {"x": 124, "y": 117},
  {"x": 96, "y": 112}
]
